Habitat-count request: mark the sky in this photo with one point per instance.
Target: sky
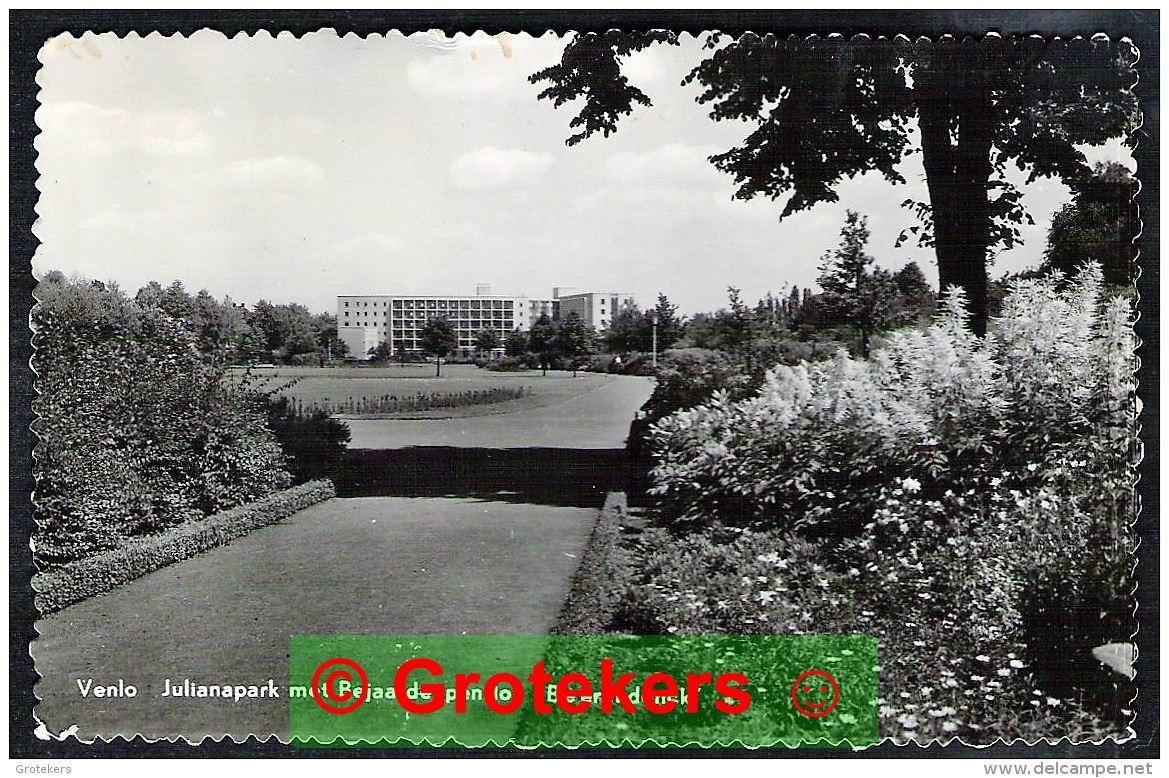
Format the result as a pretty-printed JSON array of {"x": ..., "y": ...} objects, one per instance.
[{"x": 298, "y": 169}]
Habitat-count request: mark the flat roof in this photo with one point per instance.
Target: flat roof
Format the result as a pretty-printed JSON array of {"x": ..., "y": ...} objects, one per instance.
[{"x": 436, "y": 296}]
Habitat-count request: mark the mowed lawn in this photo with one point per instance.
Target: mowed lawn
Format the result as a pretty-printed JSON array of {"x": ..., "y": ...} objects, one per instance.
[
  {"x": 589, "y": 413},
  {"x": 355, "y": 383},
  {"x": 357, "y": 566}
]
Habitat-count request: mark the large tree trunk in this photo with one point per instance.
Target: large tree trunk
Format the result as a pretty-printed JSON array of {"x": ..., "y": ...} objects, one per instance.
[{"x": 956, "y": 118}]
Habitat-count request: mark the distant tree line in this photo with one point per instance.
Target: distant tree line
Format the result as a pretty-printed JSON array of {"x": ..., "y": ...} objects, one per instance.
[
  {"x": 277, "y": 333},
  {"x": 632, "y": 330},
  {"x": 856, "y": 299},
  {"x": 552, "y": 343}
]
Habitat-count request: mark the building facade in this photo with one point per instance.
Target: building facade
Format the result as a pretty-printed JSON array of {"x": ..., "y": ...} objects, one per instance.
[
  {"x": 538, "y": 308},
  {"x": 594, "y": 308},
  {"x": 364, "y": 321}
]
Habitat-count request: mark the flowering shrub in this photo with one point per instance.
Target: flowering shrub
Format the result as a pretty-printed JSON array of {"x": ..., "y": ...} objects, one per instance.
[
  {"x": 946, "y": 586},
  {"x": 819, "y": 442},
  {"x": 815, "y": 439},
  {"x": 728, "y": 581},
  {"x": 967, "y": 501}
]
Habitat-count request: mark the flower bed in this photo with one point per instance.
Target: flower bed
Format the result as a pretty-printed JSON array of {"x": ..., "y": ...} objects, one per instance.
[{"x": 967, "y": 501}]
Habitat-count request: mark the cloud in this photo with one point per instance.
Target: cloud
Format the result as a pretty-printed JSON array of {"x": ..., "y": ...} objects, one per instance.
[
  {"x": 84, "y": 128},
  {"x": 117, "y": 219},
  {"x": 673, "y": 164},
  {"x": 492, "y": 168},
  {"x": 673, "y": 176},
  {"x": 273, "y": 172},
  {"x": 645, "y": 69}
]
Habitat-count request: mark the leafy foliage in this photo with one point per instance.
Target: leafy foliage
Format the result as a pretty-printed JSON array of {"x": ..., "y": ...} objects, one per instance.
[
  {"x": 824, "y": 110},
  {"x": 574, "y": 340},
  {"x": 287, "y": 330},
  {"x": 135, "y": 558},
  {"x": 486, "y": 341},
  {"x": 509, "y": 365},
  {"x": 312, "y": 441},
  {"x": 968, "y": 501},
  {"x": 632, "y": 329},
  {"x": 517, "y": 343},
  {"x": 392, "y": 404},
  {"x": 438, "y": 339},
  {"x": 541, "y": 340},
  {"x": 591, "y": 603},
  {"x": 228, "y": 331},
  {"x": 1100, "y": 223},
  {"x": 820, "y": 441},
  {"x": 947, "y": 597},
  {"x": 855, "y": 292},
  {"x": 382, "y": 352},
  {"x": 591, "y": 65},
  {"x": 138, "y": 429}
]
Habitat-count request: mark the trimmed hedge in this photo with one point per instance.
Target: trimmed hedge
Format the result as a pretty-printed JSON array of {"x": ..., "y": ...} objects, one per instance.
[
  {"x": 420, "y": 401},
  {"x": 76, "y": 581},
  {"x": 599, "y": 581},
  {"x": 509, "y": 365}
]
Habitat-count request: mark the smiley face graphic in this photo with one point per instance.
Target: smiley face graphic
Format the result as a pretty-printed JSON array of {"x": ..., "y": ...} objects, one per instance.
[{"x": 815, "y": 694}]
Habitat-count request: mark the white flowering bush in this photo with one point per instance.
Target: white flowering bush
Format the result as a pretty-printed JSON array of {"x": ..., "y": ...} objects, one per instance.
[
  {"x": 728, "y": 582},
  {"x": 953, "y": 659},
  {"x": 816, "y": 437},
  {"x": 819, "y": 442},
  {"x": 969, "y": 501}
]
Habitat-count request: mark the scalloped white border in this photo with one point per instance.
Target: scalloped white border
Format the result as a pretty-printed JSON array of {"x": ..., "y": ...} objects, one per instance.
[{"x": 440, "y": 39}]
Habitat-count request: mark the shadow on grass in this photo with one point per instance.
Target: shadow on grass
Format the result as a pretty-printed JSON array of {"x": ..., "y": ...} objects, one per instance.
[{"x": 543, "y": 476}]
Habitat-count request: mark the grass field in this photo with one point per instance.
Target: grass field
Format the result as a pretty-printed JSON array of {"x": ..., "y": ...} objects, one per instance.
[{"x": 340, "y": 384}]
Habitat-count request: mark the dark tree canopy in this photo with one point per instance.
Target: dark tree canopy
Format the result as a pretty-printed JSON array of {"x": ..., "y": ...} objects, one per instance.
[
  {"x": 517, "y": 343},
  {"x": 287, "y": 329},
  {"x": 856, "y": 293},
  {"x": 1100, "y": 223},
  {"x": 631, "y": 330},
  {"x": 542, "y": 340},
  {"x": 827, "y": 109},
  {"x": 381, "y": 352},
  {"x": 669, "y": 323},
  {"x": 486, "y": 340},
  {"x": 438, "y": 339},
  {"x": 574, "y": 340},
  {"x": 915, "y": 299}
]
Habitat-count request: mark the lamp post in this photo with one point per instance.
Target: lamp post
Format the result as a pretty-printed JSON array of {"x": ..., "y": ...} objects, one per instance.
[{"x": 654, "y": 319}]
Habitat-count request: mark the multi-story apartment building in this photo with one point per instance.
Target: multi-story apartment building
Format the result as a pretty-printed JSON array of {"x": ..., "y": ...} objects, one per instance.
[
  {"x": 364, "y": 321},
  {"x": 594, "y": 308},
  {"x": 549, "y": 308}
]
